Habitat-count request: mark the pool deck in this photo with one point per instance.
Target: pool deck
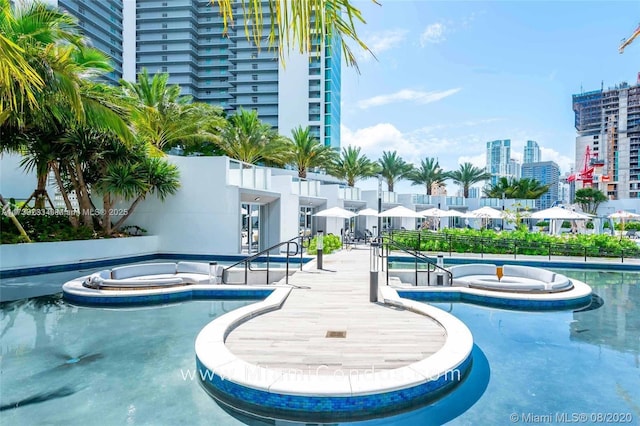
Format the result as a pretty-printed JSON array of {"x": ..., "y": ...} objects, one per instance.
[{"x": 378, "y": 336}]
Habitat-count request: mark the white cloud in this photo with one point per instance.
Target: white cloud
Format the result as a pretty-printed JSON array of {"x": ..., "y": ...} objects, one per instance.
[
  {"x": 433, "y": 34},
  {"x": 417, "y": 96},
  {"x": 479, "y": 160},
  {"x": 382, "y": 41},
  {"x": 564, "y": 162}
]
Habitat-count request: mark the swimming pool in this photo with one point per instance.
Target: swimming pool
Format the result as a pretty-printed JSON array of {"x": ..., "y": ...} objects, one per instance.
[{"x": 72, "y": 365}]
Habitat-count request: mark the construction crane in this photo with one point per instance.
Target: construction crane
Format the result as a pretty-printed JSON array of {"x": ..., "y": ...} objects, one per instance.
[
  {"x": 585, "y": 174},
  {"x": 628, "y": 41}
]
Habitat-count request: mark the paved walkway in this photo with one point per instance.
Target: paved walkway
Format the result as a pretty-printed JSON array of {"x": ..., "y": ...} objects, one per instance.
[{"x": 377, "y": 337}]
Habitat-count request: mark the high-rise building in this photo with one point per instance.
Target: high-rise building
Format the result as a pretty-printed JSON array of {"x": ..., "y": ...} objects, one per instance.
[
  {"x": 547, "y": 173},
  {"x": 499, "y": 161},
  {"x": 186, "y": 39},
  {"x": 608, "y": 124},
  {"x": 531, "y": 152},
  {"x": 102, "y": 23}
]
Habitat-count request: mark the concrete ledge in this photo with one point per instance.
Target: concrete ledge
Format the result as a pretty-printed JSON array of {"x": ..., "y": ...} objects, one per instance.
[
  {"x": 74, "y": 292},
  {"x": 311, "y": 396},
  {"x": 578, "y": 296}
]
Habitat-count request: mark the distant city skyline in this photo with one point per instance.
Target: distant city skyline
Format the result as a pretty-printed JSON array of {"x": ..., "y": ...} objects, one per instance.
[{"x": 446, "y": 81}]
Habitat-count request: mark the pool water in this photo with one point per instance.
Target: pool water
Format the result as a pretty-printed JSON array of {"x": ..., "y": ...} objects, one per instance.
[{"x": 70, "y": 365}]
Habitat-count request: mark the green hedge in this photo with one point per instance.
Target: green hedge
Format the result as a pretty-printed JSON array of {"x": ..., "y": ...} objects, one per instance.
[
  {"x": 331, "y": 243},
  {"x": 525, "y": 242}
]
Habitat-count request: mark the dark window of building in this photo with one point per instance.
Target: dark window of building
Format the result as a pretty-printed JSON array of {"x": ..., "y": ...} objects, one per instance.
[
  {"x": 164, "y": 36},
  {"x": 164, "y": 4},
  {"x": 164, "y": 58},
  {"x": 254, "y": 66},
  {"x": 81, "y": 10},
  {"x": 164, "y": 69},
  {"x": 254, "y": 55},
  {"x": 164, "y": 15},
  {"x": 254, "y": 99},
  {"x": 164, "y": 47},
  {"x": 208, "y": 92},
  {"x": 254, "y": 88},
  {"x": 164, "y": 25},
  {"x": 254, "y": 77}
]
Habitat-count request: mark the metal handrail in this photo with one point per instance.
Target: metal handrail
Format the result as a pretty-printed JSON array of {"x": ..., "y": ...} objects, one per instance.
[
  {"x": 417, "y": 256},
  {"x": 247, "y": 260}
]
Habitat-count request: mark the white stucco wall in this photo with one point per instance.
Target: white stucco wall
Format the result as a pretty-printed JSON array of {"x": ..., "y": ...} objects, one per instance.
[
  {"x": 18, "y": 256},
  {"x": 288, "y": 205},
  {"x": 202, "y": 217}
]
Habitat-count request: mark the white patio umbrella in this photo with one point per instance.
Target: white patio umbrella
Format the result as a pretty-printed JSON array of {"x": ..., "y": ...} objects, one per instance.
[
  {"x": 368, "y": 212},
  {"x": 624, "y": 215},
  {"x": 559, "y": 213},
  {"x": 400, "y": 211},
  {"x": 338, "y": 212},
  {"x": 485, "y": 212},
  {"x": 436, "y": 212},
  {"x": 439, "y": 213}
]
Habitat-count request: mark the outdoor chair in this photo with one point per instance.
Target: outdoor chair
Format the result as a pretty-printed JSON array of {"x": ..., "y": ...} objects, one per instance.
[{"x": 631, "y": 233}]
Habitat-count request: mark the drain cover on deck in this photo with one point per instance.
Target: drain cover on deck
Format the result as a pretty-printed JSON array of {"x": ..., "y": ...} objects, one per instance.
[{"x": 332, "y": 333}]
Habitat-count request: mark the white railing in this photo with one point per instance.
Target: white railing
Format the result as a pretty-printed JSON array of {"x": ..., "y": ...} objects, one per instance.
[
  {"x": 499, "y": 202},
  {"x": 246, "y": 175},
  {"x": 422, "y": 199},
  {"x": 455, "y": 201},
  {"x": 349, "y": 193},
  {"x": 307, "y": 188},
  {"x": 389, "y": 197}
]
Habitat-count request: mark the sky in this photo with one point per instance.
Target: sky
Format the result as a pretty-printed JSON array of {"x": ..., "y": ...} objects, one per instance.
[{"x": 450, "y": 76}]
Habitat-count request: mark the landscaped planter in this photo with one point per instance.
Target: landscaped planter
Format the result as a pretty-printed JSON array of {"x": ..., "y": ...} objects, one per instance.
[{"x": 38, "y": 255}]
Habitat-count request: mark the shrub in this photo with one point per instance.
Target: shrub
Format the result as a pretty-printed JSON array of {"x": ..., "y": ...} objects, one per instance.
[
  {"x": 520, "y": 241},
  {"x": 331, "y": 243}
]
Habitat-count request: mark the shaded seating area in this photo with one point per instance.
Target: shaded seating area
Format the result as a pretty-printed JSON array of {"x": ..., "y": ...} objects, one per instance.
[
  {"x": 156, "y": 275},
  {"x": 513, "y": 278}
]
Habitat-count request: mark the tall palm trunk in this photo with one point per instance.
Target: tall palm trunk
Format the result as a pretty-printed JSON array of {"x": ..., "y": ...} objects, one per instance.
[
  {"x": 77, "y": 179},
  {"x": 106, "y": 219},
  {"x": 67, "y": 202}
]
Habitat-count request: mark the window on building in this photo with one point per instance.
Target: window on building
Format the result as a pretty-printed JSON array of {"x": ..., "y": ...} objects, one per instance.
[
  {"x": 164, "y": 25},
  {"x": 164, "y": 47},
  {"x": 254, "y": 88},
  {"x": 81, "y": 10},
  {"x": 164, "y": 4},
  {"x": 254, "y": 66},
  {"x": 208, "y": 92},
  {"x": 254, "y": 77},
  {"x": 164, "y": 69},
  {"x": 164, "y": 15},
  {"x": 254, "y": 55},
  {"x": 164, "y": 36},
  {"x": 164, "y": 58},
  {"x": 254, "y": 99}
]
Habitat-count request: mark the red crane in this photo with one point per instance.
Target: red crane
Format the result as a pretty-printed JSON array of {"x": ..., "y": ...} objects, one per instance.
[{"x": 585, "y": 174}]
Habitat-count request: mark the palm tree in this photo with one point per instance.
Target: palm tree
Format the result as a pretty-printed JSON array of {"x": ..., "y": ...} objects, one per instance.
[
  {"x": 308, "y": 152},
  {"x": 467, "y": 175},
  {"x": 428, "y": 174},
  {"x": 589, "y": 199},
  {"x": 164, "y": 118},
  {"x": 525, "y": 188},
  {"x": 393, "y": 168},
  {"x": 136, "y": 180},
  {"x": 299, "y": 22},
  {"x": 52, "y": 45},
  {"x": 351, "y": 166},
  {"x": 246, "y": 138}
]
